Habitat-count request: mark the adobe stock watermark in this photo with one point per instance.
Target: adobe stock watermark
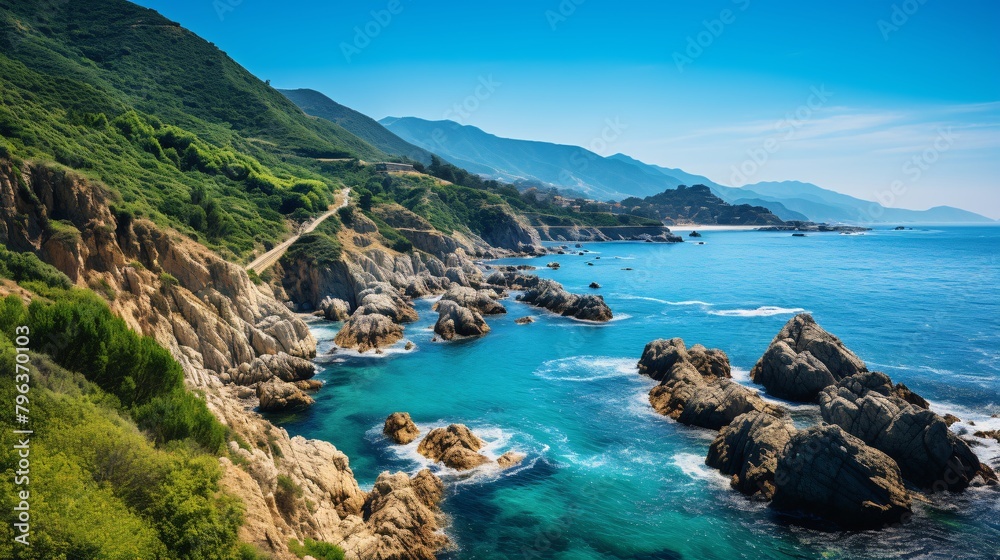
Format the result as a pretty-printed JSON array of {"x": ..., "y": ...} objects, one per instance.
[
  {"x": 612, "y": 131},
  {"x": 713, "y": 29},
  {"x": 365, "y": 34},
  {"x": 899, "y": 16},
  {"x": 785, "y": 130},
  {"x": 223, "y": 7},
  {"x": 912, "y": 170},
  {"x": 462, "y": 111},
  {"x": 562, "y": 12},
  {"x": 22, "y": 435}
]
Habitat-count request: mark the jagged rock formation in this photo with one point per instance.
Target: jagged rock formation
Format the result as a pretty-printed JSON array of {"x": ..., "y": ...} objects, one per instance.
[
  {"x": 455, "y": 320},
  {"x": 551, "y": 295},
  {"x": 399, "y": 428},
  {"x": 695, "y": 388},
  {"x": 366, "y": 332},
  {"x": 217, "y": 323},
  {"x": 510, "y": 459},
  {"x": 828, "y": 472},
  {"x": 928, "y": 454},
  {"x": 455, "y": 446},
  {"x": 659, "y": 234},
  {"x": 481, "y": 301},
  {"x": 276, "y": 395},
  {"x": 748, "y": 449},
  {"x": 334, "y": 309},
  {"x": 802, "y": 360}
]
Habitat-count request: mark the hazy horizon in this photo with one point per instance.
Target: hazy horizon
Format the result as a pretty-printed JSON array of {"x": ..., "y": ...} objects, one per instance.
[{"x": 859, "y": 97}]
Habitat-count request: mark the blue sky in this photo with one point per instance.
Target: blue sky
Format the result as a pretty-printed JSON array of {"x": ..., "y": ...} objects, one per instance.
[{"x": 882, "y": 99}]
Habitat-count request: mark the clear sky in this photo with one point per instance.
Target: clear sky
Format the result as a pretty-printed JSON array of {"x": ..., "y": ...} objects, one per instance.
[{"x": 865, "y": 97}]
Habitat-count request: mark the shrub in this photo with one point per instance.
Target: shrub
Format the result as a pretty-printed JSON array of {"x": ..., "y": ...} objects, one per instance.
[
  {"x": 317, "y": 549},
  {"x": 286, "y": 493}
]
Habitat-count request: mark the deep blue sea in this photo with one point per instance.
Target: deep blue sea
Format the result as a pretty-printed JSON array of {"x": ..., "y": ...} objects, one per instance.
[{"x": 605, "y": 477}]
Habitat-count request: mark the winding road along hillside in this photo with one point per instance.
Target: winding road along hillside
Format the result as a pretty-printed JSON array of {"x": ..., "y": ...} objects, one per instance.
[{"x": 261, "y": 263}]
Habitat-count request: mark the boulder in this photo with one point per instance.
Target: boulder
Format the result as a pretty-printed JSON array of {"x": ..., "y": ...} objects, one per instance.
[
  {"x": 399, "y": 428},
  {"x": 334, "y": 309},
  {"x": 595, "y": 286},
  {"x": 525, "y": 320},
  {"x": 708, "y": 405},
  {"x": 827, "y": 472},
  {"x": 748, "y": 449},
  {"x": 455, "y": 320},
  {"x": 482, "y": 301},
  {"x": 368, "y": 331},
  {"x": 280, "y": 396},
  {"x": 552, "y": 296},
  {"x": 802, "y": 360},
  {"x": 510, "y": 459},
  {"x": 927, "y": 452},
  {"x": 455, "y": 446},
  {"x": 661, "y": 355}
]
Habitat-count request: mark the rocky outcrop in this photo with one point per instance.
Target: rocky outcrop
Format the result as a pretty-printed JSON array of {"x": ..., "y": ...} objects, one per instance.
[
  {"x": 481, "y": 301},
  {"x": 802, "y": 360},
  {"x": 455, "y": 446},
  {"x": 827, "y": 472},
  {"x": 695, "y": 388},
  {"x": 552, "y": 296},
  {"x": 510, "y": 459},
  {"x": 216, "y": 322},
  {"x": 333, "y": 309},
  {"x": 366, "y": 332},
  {"x": 661, "y": 234},
  {"x": 457, "y": 321},
  {"x": 524, "y": 320},
  {"x": 927, "y": 452},
  {"x": 748, "y": 449},
  {"x": 279, "y": 396},
  {"x": 399, "y": 428}
]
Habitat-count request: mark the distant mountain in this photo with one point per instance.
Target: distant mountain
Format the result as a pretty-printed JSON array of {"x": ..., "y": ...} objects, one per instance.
[
  {"x": 316, "y": 104},
  {"x": 698, "y": 205},
  {"x": 565, "y": 167}
]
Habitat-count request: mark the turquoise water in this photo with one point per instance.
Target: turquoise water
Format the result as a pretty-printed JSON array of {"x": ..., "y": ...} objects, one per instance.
[{"x": 605, "y": 477}]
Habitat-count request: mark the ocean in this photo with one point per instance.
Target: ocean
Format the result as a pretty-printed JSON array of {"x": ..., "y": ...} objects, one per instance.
[{"x": 605, "y": 476}]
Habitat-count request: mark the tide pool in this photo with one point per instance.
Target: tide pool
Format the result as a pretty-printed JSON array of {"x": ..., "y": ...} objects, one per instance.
[{"x": 605, "y": 476}]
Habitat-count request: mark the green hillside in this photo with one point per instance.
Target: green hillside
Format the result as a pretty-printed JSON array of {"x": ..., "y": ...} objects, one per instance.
[{"x": 368, "y": 129}]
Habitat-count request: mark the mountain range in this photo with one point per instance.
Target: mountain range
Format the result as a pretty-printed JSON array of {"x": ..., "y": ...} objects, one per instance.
[{"x": 578, "y": 170}]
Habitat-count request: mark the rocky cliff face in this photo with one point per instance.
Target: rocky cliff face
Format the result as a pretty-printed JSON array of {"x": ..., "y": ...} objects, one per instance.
[
  {"x": 660, "y": 234},
  {"x": 227, "y": 333}
]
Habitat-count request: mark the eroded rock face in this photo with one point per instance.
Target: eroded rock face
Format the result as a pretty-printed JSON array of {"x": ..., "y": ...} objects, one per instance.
[
  {"x": 334, "y": 309},
  {"x": 828, "y": 472},
  {"x": 280, "y": 396},
  {"x": 927, "y": 452},
  {"x": 399, "y": 428},
  {"x": 802, "y": 360},
  {"x": 552, "y": 296},
  {"x": 481, "y": 301},
  {"x": 695, "y": 387},
  {"x": 748, "y": 449},
  {"x": 457, "y": 321},
  {"x": 380, "y": 298},
  {"x": 455, "y": 446},
  {"x": 267, "y": 366},
  {"x": 368, "y": 331}
]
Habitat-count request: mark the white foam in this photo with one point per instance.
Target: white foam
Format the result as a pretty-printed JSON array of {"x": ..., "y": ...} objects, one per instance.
[
  {"x": 392, "y": 351},
  {"x": 740, "y": 375},
  {"x": 694, "y": 467},
  {"x": 643, "y": 298},
  {"x": 692, "y": 302},
  {"x": 586, "y": 368},
  {"x": 765, "y": 311}
]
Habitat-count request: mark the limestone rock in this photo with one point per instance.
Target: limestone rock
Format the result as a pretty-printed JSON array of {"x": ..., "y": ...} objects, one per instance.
[
  {"x": 280, "y": 396},
  {"x": 368, "y": 331},
  {"x": 399, "y": 428},
  {"x": 828, "y": 472},
  {"x": 455, "y": 320},
  {"x": 748, "y": 449},
  {"x": 334, "y": 309},
  {"x": 481, "y": 301},
  {"x": 552, "y": 296},
  {"x": 455, "y": 446},
  {"x": 802, "y": 360}
]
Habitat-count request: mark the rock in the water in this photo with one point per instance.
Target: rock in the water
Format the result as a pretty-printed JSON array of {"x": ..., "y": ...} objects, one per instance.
[
  {"x": 802, "y": 360},
  {"x": 748, "y": 449},
  {"x": 399, "y": 427},
  {"x": 455, "y": 446},
  {"x": 334, "y": 309},
  {"x": 827, "y": 472},
  {"x": 367, "y": 332},
  {"x": 927, "y": 452},
  {"x": 595, "y": 286},
  {"x": 455, "y": 320},
  {"x": 552, "y": 265},
  {"x": 481, "y": 301},
  {"x": 694, "y": 234},
  {"x": 552, "y": 296},
  {"x": 509, "y": 459},
  {"x": 280, "y": 396},
  {"x": 694, "y": 387},
  {"x": 525, "y": 320}
]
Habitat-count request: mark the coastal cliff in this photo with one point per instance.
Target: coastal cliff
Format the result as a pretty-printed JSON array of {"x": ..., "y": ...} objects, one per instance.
[{"x": 229, "y": 334}]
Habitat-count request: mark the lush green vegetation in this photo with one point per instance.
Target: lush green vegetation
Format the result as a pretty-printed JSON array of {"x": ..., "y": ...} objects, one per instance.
[
  {"x": 120, "y": 462},
  {"x": 318, "y": 248},
  {"x": 317, "y": 549}
]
